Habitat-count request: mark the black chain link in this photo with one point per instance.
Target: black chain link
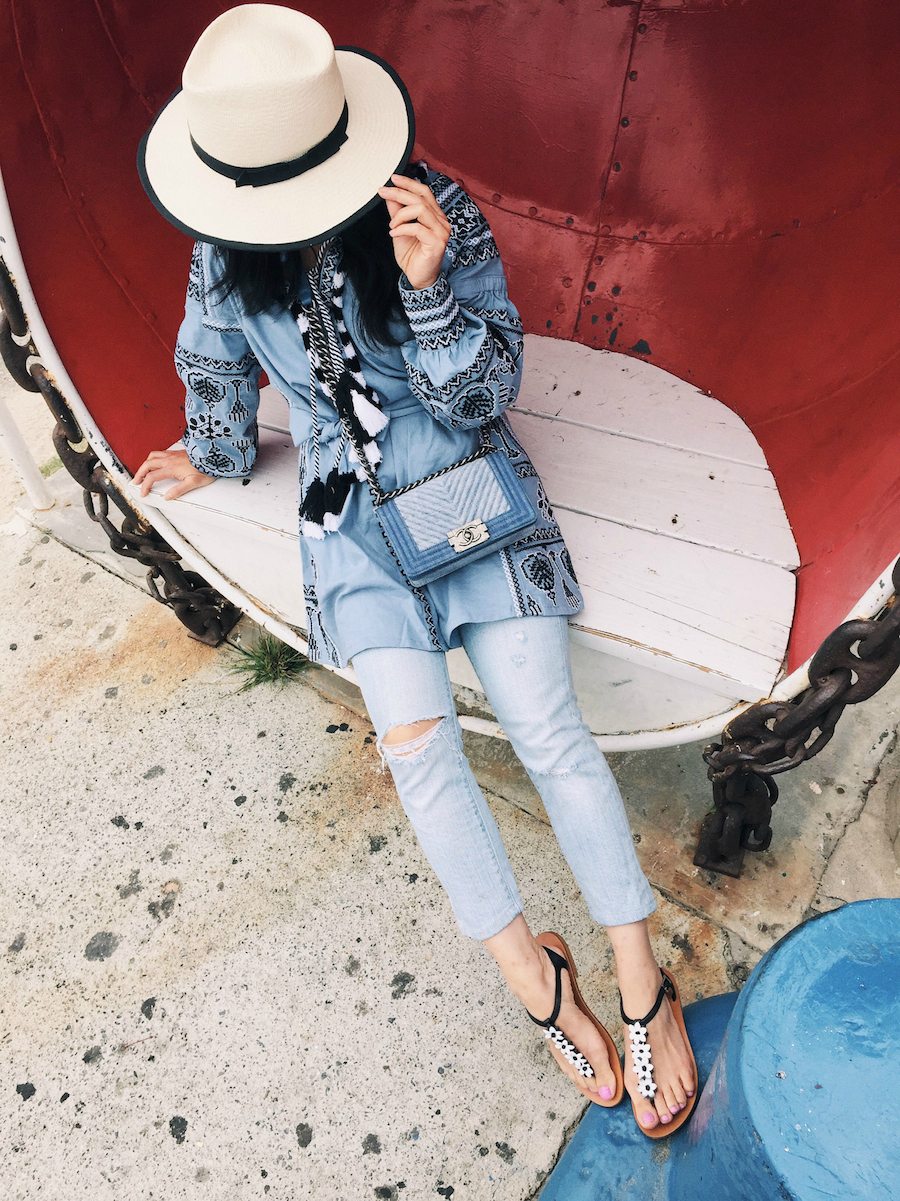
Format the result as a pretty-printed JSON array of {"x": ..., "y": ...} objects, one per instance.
[
  {"x": 207, "y": 615},
  {"x": 770, "y": 737}
]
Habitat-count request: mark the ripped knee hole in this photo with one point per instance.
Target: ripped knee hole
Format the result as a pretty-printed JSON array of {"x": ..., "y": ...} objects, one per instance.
[{"x": 405, "y": 741}]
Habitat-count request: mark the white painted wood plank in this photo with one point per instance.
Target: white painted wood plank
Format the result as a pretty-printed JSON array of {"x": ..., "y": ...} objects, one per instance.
[
  {"x": 263, "y": 563},
  {"x": 605, "y": 390},
  {"x": 669, "y": 491},
  {"x": 642, "y": 484},
  {"x": 273, "y": 409},
  {"x": 620, "y": 698},
  {"x": 707, "y": 601},
  {"x": 703, "y": 614},
  {"x": 708, "y": 613}
]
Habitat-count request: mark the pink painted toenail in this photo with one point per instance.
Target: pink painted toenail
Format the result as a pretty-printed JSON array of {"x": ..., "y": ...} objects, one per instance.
[
  {"x": 674, "y": 1108},
  {"x": 606, "y": 1092},
  {"x": 647, "y": 1118},
  {"x": 665, "y": 1117}
]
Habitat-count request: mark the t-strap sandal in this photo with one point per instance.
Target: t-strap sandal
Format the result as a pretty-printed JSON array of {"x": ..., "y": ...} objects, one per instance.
[
  {"x": 561, "y": 958},
  {"x": 643, "y": 1065}
]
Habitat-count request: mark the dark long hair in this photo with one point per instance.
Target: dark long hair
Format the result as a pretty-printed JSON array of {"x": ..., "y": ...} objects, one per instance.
[{"x": 265, "y": 279}]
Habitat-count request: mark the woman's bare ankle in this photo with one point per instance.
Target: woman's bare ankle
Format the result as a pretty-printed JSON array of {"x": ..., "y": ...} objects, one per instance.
[
  {"x": 636, "y": 967},
  {"x": 524, "y": 965}
]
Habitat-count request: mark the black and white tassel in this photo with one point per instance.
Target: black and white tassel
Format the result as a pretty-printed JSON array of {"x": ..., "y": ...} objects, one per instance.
[{"x": 326, "y": 503}]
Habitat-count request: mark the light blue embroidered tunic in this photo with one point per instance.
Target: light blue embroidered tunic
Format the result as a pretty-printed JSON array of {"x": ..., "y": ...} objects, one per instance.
[{"x": 459, "y": 365}]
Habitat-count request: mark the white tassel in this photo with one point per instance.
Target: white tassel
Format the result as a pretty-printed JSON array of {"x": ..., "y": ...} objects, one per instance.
[
  {"x": 371, "y": 418},
  {"x": 333, "y": 520},
  {"x": 311, "y": 529},
  {"x": 373, "y": 452},
  {"x": 358, "y": 376}
]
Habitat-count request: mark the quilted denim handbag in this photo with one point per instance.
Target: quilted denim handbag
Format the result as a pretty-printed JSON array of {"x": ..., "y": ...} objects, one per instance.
[
  {"x": 451, "y": 517},
  {"x": 455, "y": 515}
]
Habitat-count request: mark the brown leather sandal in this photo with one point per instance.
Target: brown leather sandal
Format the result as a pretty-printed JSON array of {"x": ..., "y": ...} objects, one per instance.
[
  {"x": 642, "y": 1064},
  {"x": 561, "y": 958}
]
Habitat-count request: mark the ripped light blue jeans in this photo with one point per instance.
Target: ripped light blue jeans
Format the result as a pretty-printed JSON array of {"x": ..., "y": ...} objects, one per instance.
[{"x": 524, "y": 668}]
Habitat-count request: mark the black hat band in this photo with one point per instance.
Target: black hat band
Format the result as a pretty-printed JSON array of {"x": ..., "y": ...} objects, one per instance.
[{"x": 257, "y": 177}]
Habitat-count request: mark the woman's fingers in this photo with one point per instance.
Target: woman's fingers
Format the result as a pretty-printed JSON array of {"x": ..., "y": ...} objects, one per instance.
[
  {"x": 412, "y": 185},
  {"x": 408, "y": 196},
  {"x": 419, "y": 228},
  {"x": 153, "y": 475},
  {"x": 415, "y": 229},
  {"x": 198, "y": 480},
  {"x": 173, "y": 459},
  {"x": 170, "y": 465},
  {"x": 392, "y": 205},
  {"x": 424, "y": 215},
  {"x": 186, "y": 482}
]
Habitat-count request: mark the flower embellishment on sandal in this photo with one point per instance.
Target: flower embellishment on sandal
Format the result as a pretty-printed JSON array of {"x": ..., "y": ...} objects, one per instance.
[
  {"x": 569, "y": 1050},
  {"x": 557, "y": 951},
  {"x": 642, "y": 1065}
]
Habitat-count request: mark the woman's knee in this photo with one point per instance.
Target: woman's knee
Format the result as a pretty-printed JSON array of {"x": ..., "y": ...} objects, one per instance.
[
  {"x": 408, "y": 745},
  {"x": 397, "y": 736},
  {"x": 557, "y": 748}
]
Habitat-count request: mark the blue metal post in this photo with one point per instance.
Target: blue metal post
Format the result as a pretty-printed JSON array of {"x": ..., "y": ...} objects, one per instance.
[{"x": 799, "y": 1080}]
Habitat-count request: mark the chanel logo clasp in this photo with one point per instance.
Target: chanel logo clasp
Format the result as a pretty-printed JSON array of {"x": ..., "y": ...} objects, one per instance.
[{"x": 468, "y": 535}]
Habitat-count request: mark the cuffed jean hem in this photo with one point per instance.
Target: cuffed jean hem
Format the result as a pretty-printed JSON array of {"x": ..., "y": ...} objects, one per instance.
[
  {"x": 633, "y": 912},
  {"x": 490, "y": 930}
]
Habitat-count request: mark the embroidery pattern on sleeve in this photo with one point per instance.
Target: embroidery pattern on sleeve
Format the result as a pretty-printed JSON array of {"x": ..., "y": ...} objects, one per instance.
[
  {"x": 433, "y": 314},
  {"x": 198, "y": 289},
  {"x": 471, "y": 240}
]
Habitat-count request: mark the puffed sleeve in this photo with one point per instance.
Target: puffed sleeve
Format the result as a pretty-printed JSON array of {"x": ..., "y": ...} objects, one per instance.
[
  {"x": 220, "y": 374},
  {"x": 464, "y": 361}
]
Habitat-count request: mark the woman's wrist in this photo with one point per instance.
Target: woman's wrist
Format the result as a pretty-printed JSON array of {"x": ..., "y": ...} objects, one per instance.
[{"x": 419, "y": 285}]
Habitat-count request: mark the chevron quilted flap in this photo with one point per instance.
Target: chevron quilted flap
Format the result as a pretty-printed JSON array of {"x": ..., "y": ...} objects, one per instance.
[{"x": 470, "y": 493}]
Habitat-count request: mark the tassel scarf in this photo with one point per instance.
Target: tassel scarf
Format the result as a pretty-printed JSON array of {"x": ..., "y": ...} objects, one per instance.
[{"x": 336, "y": 369}]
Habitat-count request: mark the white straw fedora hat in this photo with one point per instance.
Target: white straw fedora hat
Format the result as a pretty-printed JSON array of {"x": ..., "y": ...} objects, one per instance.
[{"x": 277, "y": 138}]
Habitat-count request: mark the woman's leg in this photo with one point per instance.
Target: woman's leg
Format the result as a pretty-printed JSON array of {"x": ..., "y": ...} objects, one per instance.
[
  {"x": 409, "y": 699},
  {"x": 524, "y": 667}
]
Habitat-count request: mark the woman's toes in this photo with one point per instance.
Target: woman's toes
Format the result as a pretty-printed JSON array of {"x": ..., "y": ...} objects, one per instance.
[
  {"x": 671, "y": 1098},
  {"x": 603, "y": 1082},
  {"x": 649, "y": 1118}
]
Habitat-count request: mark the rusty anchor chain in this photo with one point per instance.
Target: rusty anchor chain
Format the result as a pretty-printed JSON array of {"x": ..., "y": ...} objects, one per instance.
[
  {"x": 207, "y": 615},
  {"x": 769, "y": 737}
]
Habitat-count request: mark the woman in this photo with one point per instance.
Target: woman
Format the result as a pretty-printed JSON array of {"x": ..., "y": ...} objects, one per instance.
[{"x": 273, "y": 158}]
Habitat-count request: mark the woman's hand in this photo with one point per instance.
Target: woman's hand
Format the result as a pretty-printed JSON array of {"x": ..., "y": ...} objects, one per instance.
[
  {"x": 170, "y": 465},
  {"x": 419, "y": 228}
]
